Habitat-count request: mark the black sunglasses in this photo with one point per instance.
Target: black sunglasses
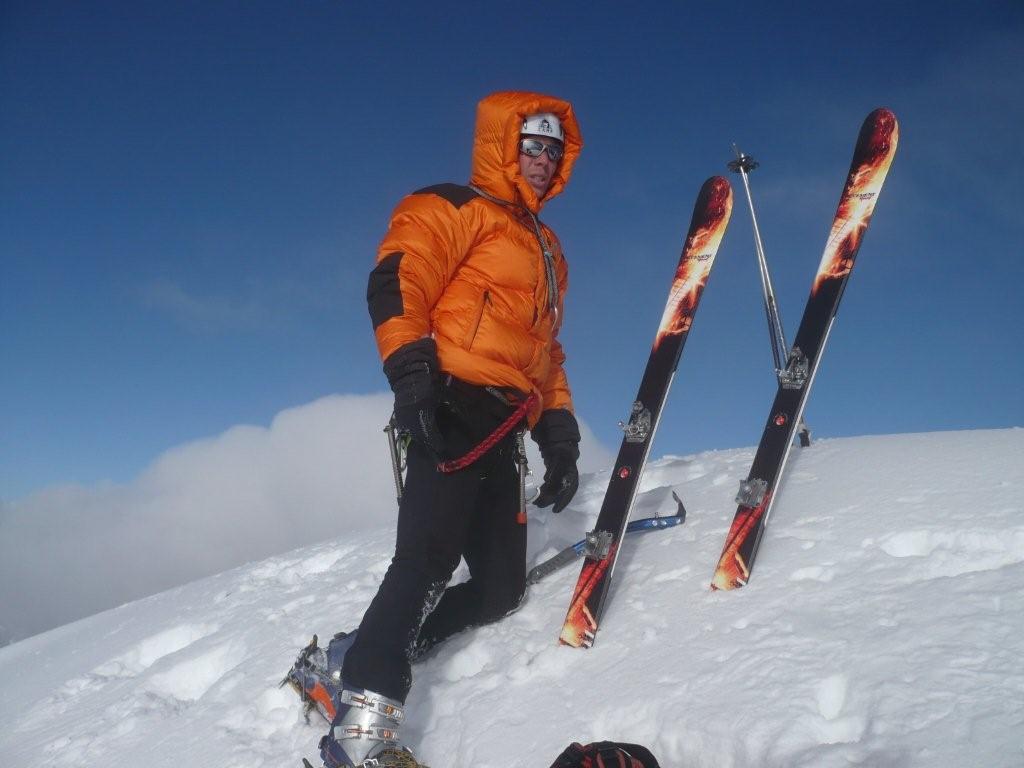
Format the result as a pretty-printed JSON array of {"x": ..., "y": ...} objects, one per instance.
[{"x": 534, "y": 148}]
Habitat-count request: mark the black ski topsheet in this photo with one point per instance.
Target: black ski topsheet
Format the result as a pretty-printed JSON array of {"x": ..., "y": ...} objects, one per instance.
[
  {"x": 710, "y": 219},
  {"x": 876, "y": 146}
]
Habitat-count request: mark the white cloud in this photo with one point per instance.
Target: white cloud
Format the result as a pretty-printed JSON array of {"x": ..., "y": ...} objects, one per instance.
[
  {"x": 204, "y": 313},
  {"x": 253, "y": 305},
  {"x": 319, "y": 471}
]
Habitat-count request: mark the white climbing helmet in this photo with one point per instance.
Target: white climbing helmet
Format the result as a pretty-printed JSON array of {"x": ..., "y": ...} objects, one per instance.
[{"x": 543, "y": 124}]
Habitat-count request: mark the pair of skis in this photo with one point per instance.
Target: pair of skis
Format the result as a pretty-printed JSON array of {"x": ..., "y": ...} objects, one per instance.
[{"x": 876, "y": 146}]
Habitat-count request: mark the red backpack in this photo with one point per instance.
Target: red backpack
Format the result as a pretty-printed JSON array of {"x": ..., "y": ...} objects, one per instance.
[{"x": 605, "y": 754}]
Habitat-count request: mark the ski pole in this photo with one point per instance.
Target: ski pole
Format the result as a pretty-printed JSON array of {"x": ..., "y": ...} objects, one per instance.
[{"x": 743, "y": 165}]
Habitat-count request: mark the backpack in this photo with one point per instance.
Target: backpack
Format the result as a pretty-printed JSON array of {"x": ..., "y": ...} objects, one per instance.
[{"x": 605, "y": 754}]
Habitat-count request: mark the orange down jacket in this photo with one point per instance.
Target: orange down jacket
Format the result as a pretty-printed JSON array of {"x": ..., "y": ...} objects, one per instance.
[{"x": 469, "y": 269}]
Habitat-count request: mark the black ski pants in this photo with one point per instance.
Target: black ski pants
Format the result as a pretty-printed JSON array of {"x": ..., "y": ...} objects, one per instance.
[{"x": 469, "y": 514}]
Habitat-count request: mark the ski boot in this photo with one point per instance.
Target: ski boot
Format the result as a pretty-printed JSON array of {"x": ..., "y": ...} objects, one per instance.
[
  {"x": 364, "y": 732},
  {"x": 316, "y": 674},
  {"x": 388, "y": 758}
]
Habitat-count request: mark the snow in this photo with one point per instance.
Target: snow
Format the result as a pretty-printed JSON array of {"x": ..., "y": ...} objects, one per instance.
[{"x": 882, "y": 627}]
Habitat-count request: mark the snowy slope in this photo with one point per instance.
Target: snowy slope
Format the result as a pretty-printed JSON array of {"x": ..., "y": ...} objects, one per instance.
[{"x": 883, "y": 626}]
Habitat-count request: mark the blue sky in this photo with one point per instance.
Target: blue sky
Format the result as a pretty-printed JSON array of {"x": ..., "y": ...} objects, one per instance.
[{"x": 192, "y": 195}]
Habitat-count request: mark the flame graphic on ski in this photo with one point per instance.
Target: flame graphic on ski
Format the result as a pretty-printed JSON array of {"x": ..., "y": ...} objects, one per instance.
[
  {"x": 714, "y": 206},
  {"x": 872, "y": 157},
  {"x": 580, "y": 624},
  {"x": 732, "y": 570},
  {"x": 875, "y": 150}
]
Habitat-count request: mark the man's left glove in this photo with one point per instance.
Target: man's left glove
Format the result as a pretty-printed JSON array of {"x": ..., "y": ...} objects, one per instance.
[
  {"x": 558, "y": 436},
  {"x": 415, "y": 378}
]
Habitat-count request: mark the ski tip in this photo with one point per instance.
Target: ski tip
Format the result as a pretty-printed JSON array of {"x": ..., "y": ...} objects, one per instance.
[
  {"x": 878, "y": 138},
  {"x": 883, "y": 122},
  {"x": 881, "y": 115},
  {"x": 711, "y": 214},
  {"x": 715, "y": 191}
]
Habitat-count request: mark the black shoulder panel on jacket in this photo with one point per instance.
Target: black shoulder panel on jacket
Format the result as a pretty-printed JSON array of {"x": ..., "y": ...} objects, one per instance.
[
  {"x": 384, "y": 293},
  {"x": 456, "y": 194}
]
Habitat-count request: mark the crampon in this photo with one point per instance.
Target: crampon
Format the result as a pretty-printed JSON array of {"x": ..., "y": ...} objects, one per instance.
[
  {"x": 389, "y": 758},
  {"x": 316, "y": 674}
]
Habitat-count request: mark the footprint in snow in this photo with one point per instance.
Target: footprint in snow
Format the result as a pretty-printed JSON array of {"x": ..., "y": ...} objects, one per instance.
[
  {"x": 834, "y": 727},
  {"x": 831, "y": 695},
  {"x": 134, "y": 662},
  {"x": 155, "y": 647},
  {"x": 813, "y": 573},
  {"x": 196, "y": 673},
  {"x": 938, "y": 553}
]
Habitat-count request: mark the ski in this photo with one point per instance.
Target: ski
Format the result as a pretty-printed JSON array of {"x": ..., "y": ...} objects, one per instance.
[
  {"x": 710, "y": 219},
  {"x": 876, "y": 146},
  {"x": 581, "y": 547}
]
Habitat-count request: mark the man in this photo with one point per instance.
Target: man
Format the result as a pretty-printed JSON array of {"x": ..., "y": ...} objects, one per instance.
[{"x": 466, "y": 303}]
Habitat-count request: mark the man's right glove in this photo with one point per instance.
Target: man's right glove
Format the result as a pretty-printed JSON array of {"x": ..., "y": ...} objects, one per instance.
[
  {"x": 415, "y": 378},
  {"x": 558, "y": 436}
]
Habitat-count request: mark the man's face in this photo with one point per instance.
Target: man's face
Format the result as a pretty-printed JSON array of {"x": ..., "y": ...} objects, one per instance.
[{"x": 538, "y": 170}]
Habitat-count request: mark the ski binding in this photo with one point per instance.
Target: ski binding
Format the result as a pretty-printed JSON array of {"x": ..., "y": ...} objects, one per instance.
[
  {"x": 752, "y": 492},
  {"x": 797, "y": 369},
  {"x": 598, "y": 545},
  {"x": 639, "y": 426}
]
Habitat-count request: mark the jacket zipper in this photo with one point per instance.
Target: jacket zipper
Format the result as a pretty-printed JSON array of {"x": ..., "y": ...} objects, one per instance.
[{"x": 550, "y": 275}]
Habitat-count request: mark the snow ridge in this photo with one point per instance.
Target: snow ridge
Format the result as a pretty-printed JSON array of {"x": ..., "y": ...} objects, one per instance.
[{"x": 883, "y": 626}]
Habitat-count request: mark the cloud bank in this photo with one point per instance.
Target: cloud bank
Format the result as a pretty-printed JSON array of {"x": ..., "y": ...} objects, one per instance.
[{"x": 319, "y": 471}]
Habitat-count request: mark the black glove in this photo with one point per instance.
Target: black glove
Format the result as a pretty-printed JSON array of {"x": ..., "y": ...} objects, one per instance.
[
  {"x": 415, "y": 378},
  {"x": 558, "y": 436}
]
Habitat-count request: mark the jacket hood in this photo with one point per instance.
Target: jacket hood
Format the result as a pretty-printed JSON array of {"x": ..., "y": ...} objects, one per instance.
[{"x": 499, "y": 118}]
